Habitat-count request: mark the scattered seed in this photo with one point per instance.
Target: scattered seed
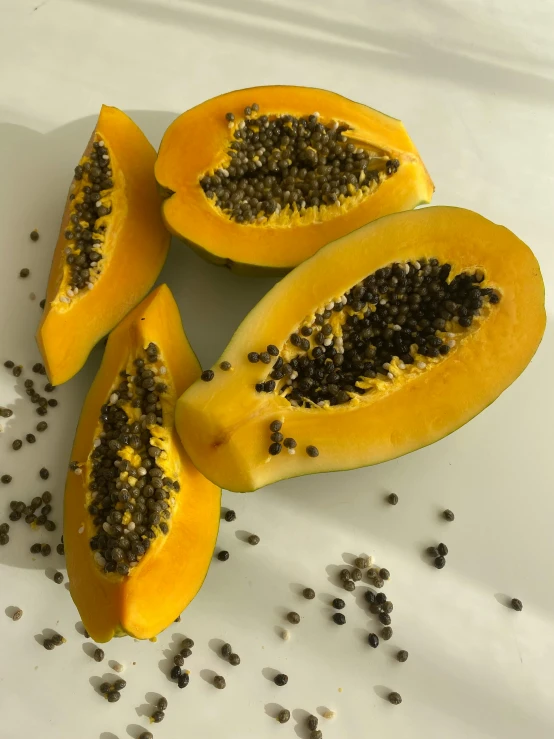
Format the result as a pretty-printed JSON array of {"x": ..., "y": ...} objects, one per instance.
[
  {"x": 373, "y": 640},
  {"x": 439, "y": 562},
  {"x": 223, "y": 556},
  {"x": 308, "y": 593},
  {"x": 234, "y": 659},
  {"x": 31, "y": 438},
  {"x": 225, "y": 366},
  {"x": 369, "y": 595},
  {"x": 275, "y": 426},
  {"x": 42, "y": 303},
  {"x": 98, "y": 654},
  {"x": 385, "y": 574},
  {"x": 48, "y": 644},
  {"x": 281, "y": 679},
  {"x": 186, "y": 652},
  {"x": 393, "y": 498},
  {"x": 386, "y": 633},
  {"x": 293, "y": 617},
  {"x": 378, "y": 582},
  {"x": 183, "y": 681},
  {"x": 105, "y": 688},
  {"x": 283, "y": 716},
  {"x": 448, "y": 515},
  {"x": 17, "y": 614},
  {"x": 57, "y": 640},
  {"x": 339, "y": 618},
  {"x": 50, "y": 526},
  {"x": 395, "y": 698},
  {"x": 362, "y": 563},
  {"x": 253, "y": 357},
  {"x": 114, "y": 696},
  {"x": 16, "y": 372},
  {"x": 443, "y": 549},
  {"x": 230, "y": 516},
  {"x": 6, "y": 479},
  {"x": 35, "y": 548},
  {"x": 207, "y": 375},
  {"x": 350, "y": 585},
  {"x": 44, "y": 473},
  {"x": 432, "y": 551},
  {"x": 219, "y": 682},
  {"x": 60, "y": 549},
  {"x": 253, "y": 539},
  {"x": 175, "y": 672},
  {"x": 17, "y": 444},
  {"x": 312, "y": 722},
  {"x": 187, "y": 643},
  {"x": 146, "y": 735},
  {"x": 45, "y": 549},
  {"x": 317, "y": 734},
  {"x": 179, "y": 660},
  {"x": 344, "y": 575},
  {"x": 356, "y": 574},
  {"x": 312, "y": 451},
  {"x": 4, "y": 539},
  {"x": 517, "y": 605},
  {"x": 402, "y": 655},
  {"x": 5, "y": 413},
  {"x": 24, "y": 272},
  {"x": 384, "y": 618},
  {"x": 53, "y": 403},
  {"x": 338, "y": 603},
  {"x": 158, "y": 716},
  {"x": 388, "y": 607},
  {"x": 34, "y": 235},
  {"x": 226, "y": 651},
  {"x": 58, "y": 578},
  {"x": 162, "y": 704},
  {"x": 120, "y": 683}
]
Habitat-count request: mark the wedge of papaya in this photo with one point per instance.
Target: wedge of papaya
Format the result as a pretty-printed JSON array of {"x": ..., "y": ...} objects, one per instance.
[
  {"x": 140, "y": 521},
  {"x": 383, "y": 342}
]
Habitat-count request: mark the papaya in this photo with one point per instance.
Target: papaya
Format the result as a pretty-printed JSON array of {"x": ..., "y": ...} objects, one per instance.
[
  {"x": 383, "y": 342},
  {"x": 111, "y": 247},
  {"x": 261, "y": 186},
  {"x": 140, "y": 522}
]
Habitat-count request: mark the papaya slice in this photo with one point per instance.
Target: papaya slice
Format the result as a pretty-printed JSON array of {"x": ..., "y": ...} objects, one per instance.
[
  {"x": 140, "y": 522},
  {"x": 111, "y": 247},
  {"x": 383, "y": 342},
  {"x": 264, "y": 184}
]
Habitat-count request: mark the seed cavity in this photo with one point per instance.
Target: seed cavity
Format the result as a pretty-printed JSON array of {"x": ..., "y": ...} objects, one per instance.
[
  {"x": 85, "y": 234},
  {"x": 282, "y": 167},
  {"x": 131, "y": 490},
  {"x": 398, "y": 322}
]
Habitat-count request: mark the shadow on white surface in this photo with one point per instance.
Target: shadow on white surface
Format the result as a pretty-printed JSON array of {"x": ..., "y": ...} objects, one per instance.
[{"x": 267, "y": 24}]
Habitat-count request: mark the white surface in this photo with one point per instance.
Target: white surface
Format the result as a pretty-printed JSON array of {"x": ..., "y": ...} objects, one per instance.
[{"x": 473, "y": 82}]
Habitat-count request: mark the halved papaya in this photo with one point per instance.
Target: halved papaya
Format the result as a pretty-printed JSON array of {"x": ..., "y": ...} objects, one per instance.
[
  {"x": 140, "y": 521},
  {"x": 263, "y": 177},
  {"x": 383, "y": 342},
  {"x": 111, "y": 247}
]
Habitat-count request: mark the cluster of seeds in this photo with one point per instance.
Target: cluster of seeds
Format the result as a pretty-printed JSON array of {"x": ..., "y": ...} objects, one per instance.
[
  {"x": 87, "y": 223},
  {"x": 35, "y": 397},
  {"x": 113, "y": 692},
  {"x": 31, "y": 515},
  {"x": 177, "y": 672},
  {"x": 397, "y": 321},
  {"x": 381, "y": 607},
  {"x": 291, "y": 165},
  {"x": 159, "y": 713},
  {"x": 228, "y": 654},
  {"x": 55, "y": 640},
  {"x": 438, "y": 554},
  {"x": 130, "y": 495}
]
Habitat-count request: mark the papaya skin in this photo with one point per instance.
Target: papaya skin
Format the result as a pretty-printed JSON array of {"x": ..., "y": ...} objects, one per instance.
[
  {"x": 171, "y": 572},
  {"x": 231, "y": 438},
  {"x": 135, "y": 248},
  {"x": 197, "y": 142}
]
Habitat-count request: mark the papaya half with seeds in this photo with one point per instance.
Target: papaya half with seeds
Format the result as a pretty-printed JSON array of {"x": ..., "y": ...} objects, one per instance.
[
  {"x": 260, "y": 179},
  {"x": 383, "y": 342},
  {"x": 140, "y": 522},
  {"x": 111, "y": 247}
]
